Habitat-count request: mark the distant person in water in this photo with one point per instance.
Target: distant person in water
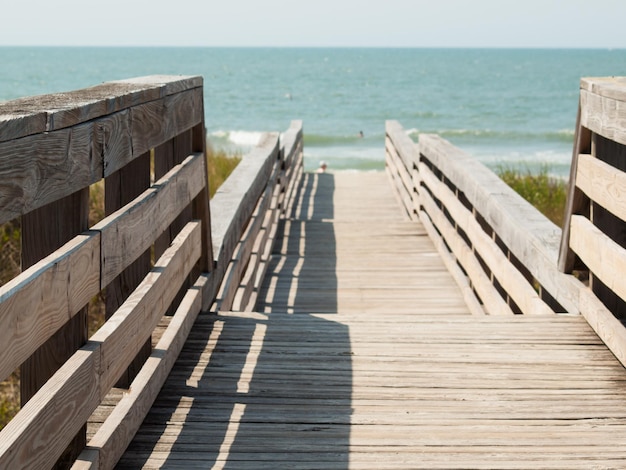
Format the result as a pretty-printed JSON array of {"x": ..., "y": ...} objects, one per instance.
[
  {"x": 322, "y": 168},
  {"x": 361, "y": 134}
]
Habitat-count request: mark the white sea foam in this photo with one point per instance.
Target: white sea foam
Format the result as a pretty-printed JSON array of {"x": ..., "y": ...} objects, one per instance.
[
  {"x": 242, "y": 139},
  {"x": 245, "y": 138}
]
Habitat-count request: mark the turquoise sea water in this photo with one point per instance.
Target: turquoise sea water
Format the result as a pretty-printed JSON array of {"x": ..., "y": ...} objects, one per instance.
[{"x": 505, "y": 106}]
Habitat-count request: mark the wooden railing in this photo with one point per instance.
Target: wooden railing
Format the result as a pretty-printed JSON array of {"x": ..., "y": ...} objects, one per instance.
[
  {"x": 146, "y": 139},
  {"x": 594, "y": 234},
  {"x": 503, "y": 252}
]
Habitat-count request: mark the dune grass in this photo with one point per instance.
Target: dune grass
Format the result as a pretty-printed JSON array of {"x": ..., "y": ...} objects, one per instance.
[
  {"x": 220, "y": 163},
  {"x": 545, "y": 192}
]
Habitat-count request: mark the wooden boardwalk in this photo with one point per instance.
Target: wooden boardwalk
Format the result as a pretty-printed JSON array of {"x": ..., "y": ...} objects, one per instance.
[{"x": 363, "y": 354}]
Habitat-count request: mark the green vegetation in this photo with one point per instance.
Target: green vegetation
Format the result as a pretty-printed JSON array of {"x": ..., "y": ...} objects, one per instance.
[
  {"x": 548, "y": 194},
  {"x": 220, "y": 165}
]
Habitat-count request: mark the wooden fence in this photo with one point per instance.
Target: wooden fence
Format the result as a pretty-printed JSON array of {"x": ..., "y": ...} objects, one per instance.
[
  {"x": 155, "y": 251},
  {"x": 503, "y": 252}
]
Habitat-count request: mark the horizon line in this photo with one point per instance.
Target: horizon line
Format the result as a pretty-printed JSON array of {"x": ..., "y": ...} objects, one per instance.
[{"x": 152, "y": 46}]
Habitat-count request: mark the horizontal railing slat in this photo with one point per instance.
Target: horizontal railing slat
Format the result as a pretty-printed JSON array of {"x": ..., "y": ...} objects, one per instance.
[
  {"x": 603, "y": 115},
  {"x": 45, "y": 426},
  {"x": 527, "y": 233},
  {"x": 111, "y": 440},
  {"x": 507, "y": 275},
  {"x": 73, "y": 393},
  {"x": 69, "y": 278},
  {"x": 37, "y": 114},
  {"x": 530, "y": 238},
  {"x": 55, "y": 145},
  {"x": 40, "y": 169},
  {"x": 49, "y": 160},
  {"x": 494, "y": 304},
  {"x": 603, "y": 184},
  {"x": 234, "y": 202},
  {"x": 130, "y": 231},
  {"x": 453, "y": 266},
  {"x": 131, "y": 325},
  {"x": 605, "y": 258}
]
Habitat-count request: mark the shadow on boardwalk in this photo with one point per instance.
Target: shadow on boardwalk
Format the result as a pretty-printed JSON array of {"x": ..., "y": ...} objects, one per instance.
[{"x": 265, "y": 390}]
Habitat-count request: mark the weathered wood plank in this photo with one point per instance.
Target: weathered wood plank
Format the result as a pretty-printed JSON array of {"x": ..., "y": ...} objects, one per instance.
[
  {"x": 36, "y": 171},
  {"x": 513, "y": 282},
  {"x": 529, "y": 235},
  {"x": 604, "y": 323},
  {"x": 69, "y": 277},
  {"x": 131, "y": 230},
  {"x": 603, "y": 115},
  {"x": 127, "y": 330},
  {"x": 59, "y": 160},
  {"x": 576, "y": 203},
  {"x": 235, "y": 200},
  {"x": 74, "y": 392},
  {"x": 609, "y": 87},
  {"x": 43, "y": 231},
  {"x": 63, "y": 403},
  {"x": 120, "y": 189},
  {"x": 45, "y": 113},
  {"x": 110, "y": 442},
  {"x": 603, "y": 184},
  {"x": 605, "y": 258},
  {"x": 159, "y": 121},
  {"x": 459, "y": 276},
  {"x": 379, "y": 384},
  {"x": 493, "y": 303}
]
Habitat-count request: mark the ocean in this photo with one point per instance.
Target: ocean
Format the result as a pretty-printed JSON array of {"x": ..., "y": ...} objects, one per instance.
[{"x": 507, "y": 107}]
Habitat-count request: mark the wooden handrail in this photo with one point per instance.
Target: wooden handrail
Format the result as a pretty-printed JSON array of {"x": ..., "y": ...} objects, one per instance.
[
  {"x": 594, "y": 234},
  {"x": 52, "y": 148},
  {"x": 506, "y": 249},
  {"x": 506, "y": 256}
]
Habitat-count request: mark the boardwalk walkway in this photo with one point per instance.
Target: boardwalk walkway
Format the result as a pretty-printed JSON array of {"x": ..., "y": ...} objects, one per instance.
[{"x": 362, "y": 354}]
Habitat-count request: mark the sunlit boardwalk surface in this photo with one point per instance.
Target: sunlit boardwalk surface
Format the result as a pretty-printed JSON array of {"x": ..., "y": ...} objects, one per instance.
[{"x": 361, "y": 353}]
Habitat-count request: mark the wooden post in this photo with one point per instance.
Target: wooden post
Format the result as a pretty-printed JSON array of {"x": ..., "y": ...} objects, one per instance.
[
  {"x": 120, "y": 188},
  {"x": 43, "y": 231},
  {"x": 166, "y": 157},
  {"x": 200, "y": 205}
]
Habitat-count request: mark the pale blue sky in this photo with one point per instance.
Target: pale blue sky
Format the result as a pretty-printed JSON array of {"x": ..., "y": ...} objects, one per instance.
[{"x": 387, "y": 23}]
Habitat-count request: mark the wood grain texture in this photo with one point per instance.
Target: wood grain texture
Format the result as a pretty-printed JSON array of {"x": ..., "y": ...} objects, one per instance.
[
  {"x": 530, "y": 236},
  {"x": 44, "y": 113},
  {"x": 73, "y": 393},
  {"x": 509, "y": 277},
  {"x": 605, "y": 258},
  {"x": 36, "y": 171},
  {"x": 362, "y": 354},
  {"x": 234, "y": 202},
  {"x": 346, "y": 245},
  {"x": 127, "y": 330},
  {"x": 35, "y": 304},
  {"x": 576, "y": 203},
  {"x": 604, "y": 115},
  {"x": 492, "y": 302},
  {"x": 33, "y": 439},
  {"x": 131, "y": 230},
  {"x": 117, "y": 431},
  {"x": 451, "y": 263},
  {"x": 609, "y": 87},
  {"x": 55, "y": 145},
  {"x": 159, "y": 121},
  {"x": 603, "y": 184}
]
